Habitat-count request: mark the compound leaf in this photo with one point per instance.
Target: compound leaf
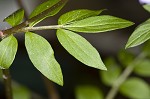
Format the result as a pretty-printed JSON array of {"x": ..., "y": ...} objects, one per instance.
[
  {"x": 76, "y": 15},
  {"x": 98, "y": 24},
  {"x": 8, "y": 49},
  {"x": 42, "y": 56},
  {"x": 80, "y": 48},
  {"x": 15, "y": 18}
]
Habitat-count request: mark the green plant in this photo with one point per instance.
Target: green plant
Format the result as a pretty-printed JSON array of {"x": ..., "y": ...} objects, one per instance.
[
  {"x": 119, "y": 77},
  {"x": 40, "y": 51}
]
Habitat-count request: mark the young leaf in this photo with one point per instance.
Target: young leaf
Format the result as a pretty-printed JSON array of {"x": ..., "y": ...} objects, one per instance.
[
  {"x": 113, "y": 72},
  {"x": 8, "y": 49},
  {"x": 142, "y": 68},
  {"x": 140, "y": 35},
  {"x": 88, "y": 92},
  {"x": 44, "y": 6},
  {"x": 15, "y": 18},
  {"x": 146, "y": 7},
  {"x": 135, "y": 88},
  {"x": 98, "y": 24},
  {"x": 42, "y": 56},
  {"x": 80, "y": 48},
  {"x": 76, "y": 15}
]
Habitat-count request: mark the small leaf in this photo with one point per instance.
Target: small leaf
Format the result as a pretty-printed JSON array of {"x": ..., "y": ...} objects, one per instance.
[
  {"x": 146, "y": 7},
  {"x": 135, "y": 88},
  {"x": 110, "y": 76},
  {"x": 42, "y": 56},
  {"x": 44, "y": 6},
  {"x": 88, "y": 92},
  {"x": 142, "y": 68},
  {"x": 125, "y": 57},
  {"x": 15, "y": 18},
  {"x": 76, "y": 15},
  {"x": 140, "y": 35},
  {"x": 98, "y": 24},
  {"x": 8, "y": 49},
  {"x": 80, "y": 48}
]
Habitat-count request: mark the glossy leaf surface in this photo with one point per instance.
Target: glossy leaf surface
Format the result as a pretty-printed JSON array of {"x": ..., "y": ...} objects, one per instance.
[
  {"x": 76, "y": 15},
  {"x": 140, "y": 35},
  {"x": 98, "y": 24},
  {"x": 15, "y": 18},
  {"x": 44, "y": 6},
  {"x": 8, "y": 49},
  {"x": 80, "y": 48},
  {"x": 42, "y": 56}
]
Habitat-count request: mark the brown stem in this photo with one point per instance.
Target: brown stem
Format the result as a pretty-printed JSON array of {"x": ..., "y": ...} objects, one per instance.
[
  {"x": 29, "y": 21},
  {"x": 7, "y": 83}
]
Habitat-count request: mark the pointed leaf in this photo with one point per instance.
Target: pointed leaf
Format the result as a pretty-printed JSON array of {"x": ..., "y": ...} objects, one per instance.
[
  {"x": 135, "y": 88},
  {"x": 80, "y": 48},
  {"x": 88, "y": 92},
  {"x": 8, "y": 49},
  {"x": 140, "y": 35},
  {"x": 142, "y": 68},
  {"x": 44, "y": 6},
  {"x": 98, "y": 24},
  {"x": 110, "y": 76},
  {"x": 15, "y": 18},
  {"x": 76, "y": 15},
  {"x": 146, "y": 7},
  {"x": 42, "y": 56}
]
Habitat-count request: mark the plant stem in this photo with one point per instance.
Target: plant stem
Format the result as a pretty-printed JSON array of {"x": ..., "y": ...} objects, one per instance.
[
  {"x": 115, "y": 87},
  {"x": 26, "y": 29},
  {"x": 29, "y": 21},
  {"x": 7, "y": 83}
]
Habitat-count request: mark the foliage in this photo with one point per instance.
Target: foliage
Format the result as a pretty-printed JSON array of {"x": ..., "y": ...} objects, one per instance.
[{"x": 40, "y": 51}]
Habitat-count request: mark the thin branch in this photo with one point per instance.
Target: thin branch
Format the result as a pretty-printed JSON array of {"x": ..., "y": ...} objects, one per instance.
[
  {"x": 7, "y": 83},
  {"x": 26, "y": 29},
  {"x": 29, "y": 21},
  {"x": 115, "y": 87}
]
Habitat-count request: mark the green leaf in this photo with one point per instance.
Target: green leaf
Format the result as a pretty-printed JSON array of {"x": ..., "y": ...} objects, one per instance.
[
  {"x": 42, "y": 56},
  {"x": 44, "y": 6},
  {"x": 135, "y": 88},
  {"x": 21, "y": 92},
  {"x": 80, "y": 48},
  {"x": 110, "y": 76},
  {"x": 142, "y": 68},
  {"x": 88, "y": 92},
  {"x": 146, "y": 7},
  {"x": 140, "y": 35},
  {"x": 77, "y": 15},
  {"x": 125, "y": 57},
  {"x": 8, "y": 49},
  {"x": 15, "y": 18},
  {"x": 98, "y": 24}
]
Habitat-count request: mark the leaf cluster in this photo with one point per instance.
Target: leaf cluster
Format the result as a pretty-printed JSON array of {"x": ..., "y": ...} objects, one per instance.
[{"x": 39, "y": 49}]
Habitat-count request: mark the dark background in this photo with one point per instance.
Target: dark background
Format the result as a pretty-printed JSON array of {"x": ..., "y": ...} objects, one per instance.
[{"x": 74, "y": 72}]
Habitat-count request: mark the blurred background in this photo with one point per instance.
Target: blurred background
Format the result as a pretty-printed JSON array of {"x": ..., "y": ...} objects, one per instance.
[{"x": 75, "y": 73}]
